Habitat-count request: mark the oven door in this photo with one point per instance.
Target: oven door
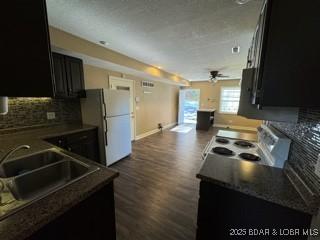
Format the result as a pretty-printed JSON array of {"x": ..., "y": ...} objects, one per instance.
[{"x": 207, "y": 149}]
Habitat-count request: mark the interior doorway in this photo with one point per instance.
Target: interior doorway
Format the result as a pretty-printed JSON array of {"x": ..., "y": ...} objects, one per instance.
[
  {"x": 189, "y": 102},
  {"x": 126, "y": 84}
]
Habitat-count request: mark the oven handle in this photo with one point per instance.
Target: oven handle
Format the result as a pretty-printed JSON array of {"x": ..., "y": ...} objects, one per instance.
[{"x": 204, "y": 152}]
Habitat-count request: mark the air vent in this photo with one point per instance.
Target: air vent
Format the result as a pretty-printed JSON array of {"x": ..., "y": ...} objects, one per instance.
[
  {"x": 236, "y": 49},
  {"x": 147, "y": 84}
]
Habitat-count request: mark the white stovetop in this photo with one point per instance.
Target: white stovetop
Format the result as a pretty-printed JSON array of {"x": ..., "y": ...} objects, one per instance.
[{"x": 237, "y": 150}]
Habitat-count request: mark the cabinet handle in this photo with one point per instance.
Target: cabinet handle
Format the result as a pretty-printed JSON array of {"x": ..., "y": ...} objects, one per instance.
[{"x": 69, "y": 149}]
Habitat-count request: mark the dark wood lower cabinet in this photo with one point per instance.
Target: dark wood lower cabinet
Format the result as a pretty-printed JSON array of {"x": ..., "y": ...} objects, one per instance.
[
  {"x": 205, "y": 120},
  {"x": 83, "y": 143},
  {"x": 93, "y": 218},
  {"x": 227, "y": 214}
]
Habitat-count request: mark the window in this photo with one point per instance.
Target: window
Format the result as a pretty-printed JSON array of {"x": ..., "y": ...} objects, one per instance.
[{"x": 229, "y": 100}]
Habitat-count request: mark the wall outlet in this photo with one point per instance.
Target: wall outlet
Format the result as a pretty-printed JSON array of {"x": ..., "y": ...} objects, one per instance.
[
  {"x": 317, "y": 167},
  {"x": 51, "y": 115}
]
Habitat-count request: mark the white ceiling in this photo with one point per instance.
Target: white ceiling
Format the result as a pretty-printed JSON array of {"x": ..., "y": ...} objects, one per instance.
[{"x": 185, "y": 37}]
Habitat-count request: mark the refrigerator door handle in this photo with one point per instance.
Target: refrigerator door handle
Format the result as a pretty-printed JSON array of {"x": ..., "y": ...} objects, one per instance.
[
  {"x": 104, "y": 124},
  {"x": 105, "y": 130},
  {"x": 104, "y": 110},
  {"x": 106, "y": 136}
]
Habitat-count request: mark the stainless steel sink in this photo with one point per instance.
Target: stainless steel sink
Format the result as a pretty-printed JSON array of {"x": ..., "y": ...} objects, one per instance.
[
  {"x": 28, "y": 163},
  {"x": 35, "y": 176},
  {"x": 38, "y": 182}
]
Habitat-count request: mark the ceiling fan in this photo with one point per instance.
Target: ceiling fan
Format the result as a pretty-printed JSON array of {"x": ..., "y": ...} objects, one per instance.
[{"x": 214, "y": 75}]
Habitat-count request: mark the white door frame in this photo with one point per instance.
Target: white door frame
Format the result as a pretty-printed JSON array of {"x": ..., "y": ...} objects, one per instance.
[
  {"x": 134, "y": 102},
  {"x": 182, "y": 93}
]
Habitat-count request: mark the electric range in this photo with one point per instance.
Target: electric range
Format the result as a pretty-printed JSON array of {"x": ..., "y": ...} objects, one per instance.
[
  {"x": 233, "y": 148},
  {"x": 271, "y": 147}
]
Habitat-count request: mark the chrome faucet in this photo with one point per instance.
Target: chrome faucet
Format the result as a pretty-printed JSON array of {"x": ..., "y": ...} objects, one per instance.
[{"x": 6, "y": 156}]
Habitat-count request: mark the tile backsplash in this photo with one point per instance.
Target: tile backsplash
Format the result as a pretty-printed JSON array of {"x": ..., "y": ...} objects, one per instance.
[
  {"x": 305, "y": 146},
  {"x": 27, "y": 112}
]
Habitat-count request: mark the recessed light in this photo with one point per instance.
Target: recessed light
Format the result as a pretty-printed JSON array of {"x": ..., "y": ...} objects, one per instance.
[
  {"x": 103, "y": 43},
  {"x": 159, "y": 67}
]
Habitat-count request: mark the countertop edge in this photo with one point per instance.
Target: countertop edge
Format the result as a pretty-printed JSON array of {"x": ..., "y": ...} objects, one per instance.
[
  {"x": 46, "y": 219},
  {"x": 83, "y": 129},
  {"x": 255, "y": 194},
  {"x": 233, "y": 175}
]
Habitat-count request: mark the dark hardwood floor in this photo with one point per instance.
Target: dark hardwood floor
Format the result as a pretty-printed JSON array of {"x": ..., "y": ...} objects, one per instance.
[{"x": 156, "y": 195}]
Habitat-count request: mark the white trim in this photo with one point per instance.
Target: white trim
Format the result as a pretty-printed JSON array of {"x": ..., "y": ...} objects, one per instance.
[
  {"x": 146, "y": 134},
  {"x": 110, "y": 78},
  {"x": 118, "y": 79},
  {"x": 235, "y": 127}
]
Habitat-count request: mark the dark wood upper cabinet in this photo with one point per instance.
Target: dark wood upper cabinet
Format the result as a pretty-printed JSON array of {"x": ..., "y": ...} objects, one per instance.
[
  {"x": 60, "y": 75},
  {"x": 68, "y": 74},
  {"x": 25, "y": 50},
  {"x": 284, "y": 56},
  {"x": 30, "y": 69},
  {"x": 75, "y": 77}
]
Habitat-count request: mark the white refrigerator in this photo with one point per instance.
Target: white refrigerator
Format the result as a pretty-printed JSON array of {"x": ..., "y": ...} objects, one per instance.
[{"x": 109, "y": 110}]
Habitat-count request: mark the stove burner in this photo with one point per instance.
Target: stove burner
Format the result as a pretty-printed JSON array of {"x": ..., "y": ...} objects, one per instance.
[
  {"x": 222, "y": 140},
  {"x": 222, "y": 151},
  {"x": 249, "y": 157},
  {"x": 244, "y": 144}
]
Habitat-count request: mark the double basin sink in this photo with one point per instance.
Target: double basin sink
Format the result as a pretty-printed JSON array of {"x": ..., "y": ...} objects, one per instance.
[{"x": 32, "y": 177}]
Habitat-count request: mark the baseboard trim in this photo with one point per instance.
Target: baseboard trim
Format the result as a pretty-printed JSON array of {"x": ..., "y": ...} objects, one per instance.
[
  {"x": 143, "y": 135},
  {"x": 235, "y": 127}
]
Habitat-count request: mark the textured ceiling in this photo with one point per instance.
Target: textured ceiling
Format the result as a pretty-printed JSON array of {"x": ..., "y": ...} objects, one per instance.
[{"x": 186, "y": 37}]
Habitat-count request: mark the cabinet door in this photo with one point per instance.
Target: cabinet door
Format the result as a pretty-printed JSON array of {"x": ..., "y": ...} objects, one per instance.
[
  {"x": 84, "y": 144},
  {"x": 221, "y": 209},
  {"x": 93, "y": 218},
  {"x": 258, "y": 52},
  {"x": 60, "y": 75},
  {"x": 25, "y": 50},
  {"x": 86, "y": 149},
  {"x": 74, "y": 67}
]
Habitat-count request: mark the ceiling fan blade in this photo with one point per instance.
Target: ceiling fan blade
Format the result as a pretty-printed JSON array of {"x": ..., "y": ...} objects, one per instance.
[{"x": 223, "y": 76}]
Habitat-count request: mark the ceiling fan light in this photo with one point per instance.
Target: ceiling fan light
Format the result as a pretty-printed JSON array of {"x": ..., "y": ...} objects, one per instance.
[{"x": 242, "y": 1}]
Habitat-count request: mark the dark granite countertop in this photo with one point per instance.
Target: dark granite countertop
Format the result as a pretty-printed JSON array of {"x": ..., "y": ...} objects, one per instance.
[
  {"x": 264, "y": 182},
  {"x": 31, "y": 218}
]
